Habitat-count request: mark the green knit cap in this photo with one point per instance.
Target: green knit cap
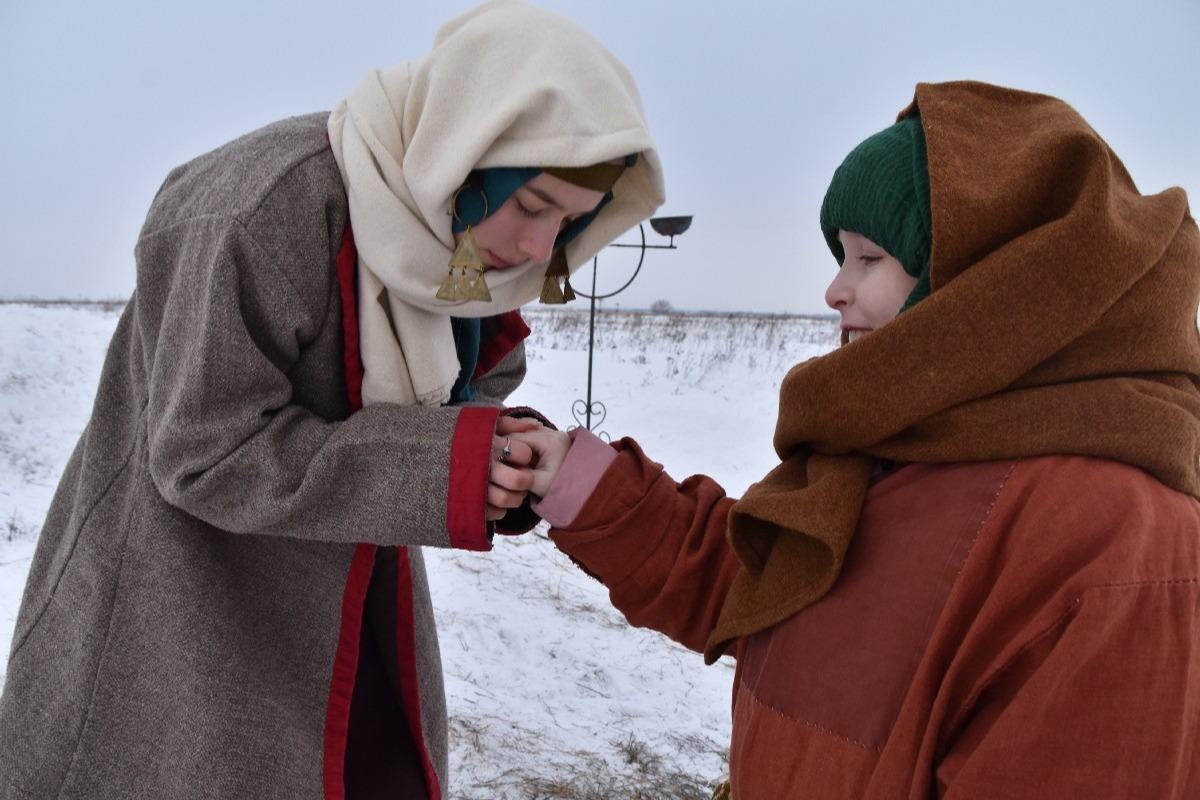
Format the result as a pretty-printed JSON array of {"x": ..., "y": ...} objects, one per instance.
[{"x": 881, "y": 191}]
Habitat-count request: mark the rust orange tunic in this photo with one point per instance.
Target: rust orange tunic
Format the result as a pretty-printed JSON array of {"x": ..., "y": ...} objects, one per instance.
[{"x": 1005, "y": 629}]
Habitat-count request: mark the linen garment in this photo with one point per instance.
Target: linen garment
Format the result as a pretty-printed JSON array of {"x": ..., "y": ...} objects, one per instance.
[
  {"x": 506, "y": 84},
  {"x": 191, "y": 623}
]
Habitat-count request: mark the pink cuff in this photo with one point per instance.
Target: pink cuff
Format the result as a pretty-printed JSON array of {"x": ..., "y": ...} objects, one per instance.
[{"x": 581, "y": 470}]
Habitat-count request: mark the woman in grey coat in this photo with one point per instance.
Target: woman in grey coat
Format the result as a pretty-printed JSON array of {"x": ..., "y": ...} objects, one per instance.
[{"x": 228, "y": 598}]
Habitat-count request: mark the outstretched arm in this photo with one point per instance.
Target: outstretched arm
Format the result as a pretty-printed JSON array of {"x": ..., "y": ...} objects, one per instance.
[{"x": 659, "y": 546}]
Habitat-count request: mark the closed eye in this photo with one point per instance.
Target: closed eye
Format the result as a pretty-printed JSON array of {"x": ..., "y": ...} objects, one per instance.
[{"x": 525, "y": 211}]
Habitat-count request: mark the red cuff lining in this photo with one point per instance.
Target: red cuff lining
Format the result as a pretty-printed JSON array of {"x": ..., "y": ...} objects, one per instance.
[
  {"x": 512, "y": 332},
  {"x": 470, "y": 460}
]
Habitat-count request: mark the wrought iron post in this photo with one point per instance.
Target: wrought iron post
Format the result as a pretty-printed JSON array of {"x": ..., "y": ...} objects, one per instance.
[{"x": 664, "y": 226}]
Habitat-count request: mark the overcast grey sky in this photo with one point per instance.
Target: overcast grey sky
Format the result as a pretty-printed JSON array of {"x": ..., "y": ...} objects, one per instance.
[{"x": 752, "y": 104}]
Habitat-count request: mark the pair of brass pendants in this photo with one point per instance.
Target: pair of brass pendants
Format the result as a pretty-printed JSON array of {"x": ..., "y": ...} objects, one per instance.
[{"x": 465, "y": 280}]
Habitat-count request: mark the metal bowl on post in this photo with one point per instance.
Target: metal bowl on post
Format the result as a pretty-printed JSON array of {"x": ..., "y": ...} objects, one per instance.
[{"x": 670, "y": 226}]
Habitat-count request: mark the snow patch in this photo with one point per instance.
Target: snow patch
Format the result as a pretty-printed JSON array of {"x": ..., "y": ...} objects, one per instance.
[{"x": 550, "y": 692}]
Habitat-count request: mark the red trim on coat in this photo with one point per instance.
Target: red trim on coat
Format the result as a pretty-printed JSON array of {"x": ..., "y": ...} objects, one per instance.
[
  {"x": 470, "y": 462},
  {"x": 345, "y": 663},
  {"x": 347, "y": 260},
  {"x": 345, "y": 668},
  {"x": 406, "y": 655},
  {"x": 512, "y": 332}
]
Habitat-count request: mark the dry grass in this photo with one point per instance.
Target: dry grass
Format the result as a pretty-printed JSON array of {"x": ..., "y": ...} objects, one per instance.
[
  {"x": 592, "y": 778},
  {"x": 538, "y": 770},
  {"x": 687, "y": 347}
]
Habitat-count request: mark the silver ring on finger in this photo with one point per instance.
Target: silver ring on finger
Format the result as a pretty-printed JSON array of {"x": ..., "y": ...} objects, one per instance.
[{"x": 507, "y": 451}]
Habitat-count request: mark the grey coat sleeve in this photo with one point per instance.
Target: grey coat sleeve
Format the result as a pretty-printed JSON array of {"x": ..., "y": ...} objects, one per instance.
[
  {"x": 222, "y": 329},
  {"x": 495, "y": 387}
]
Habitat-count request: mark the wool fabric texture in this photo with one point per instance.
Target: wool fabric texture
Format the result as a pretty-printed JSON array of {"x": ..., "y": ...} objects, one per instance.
[
  {"x": 1062, "y": 320},
  {"x": 506, "y": 84},
  {"x": 881, "y": 191}
]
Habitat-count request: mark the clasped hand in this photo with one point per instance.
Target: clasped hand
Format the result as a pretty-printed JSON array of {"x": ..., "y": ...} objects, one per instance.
[{"x": 534, "y": 455}]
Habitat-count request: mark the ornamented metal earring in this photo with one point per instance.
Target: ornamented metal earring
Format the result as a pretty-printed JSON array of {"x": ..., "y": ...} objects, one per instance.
[
  {"x": 462, "y": 285},
  {"x": 552, "y": 293}
]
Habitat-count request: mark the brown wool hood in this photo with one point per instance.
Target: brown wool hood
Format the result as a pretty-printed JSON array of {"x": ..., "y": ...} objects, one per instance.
[{"x": 1062, "y": 320}]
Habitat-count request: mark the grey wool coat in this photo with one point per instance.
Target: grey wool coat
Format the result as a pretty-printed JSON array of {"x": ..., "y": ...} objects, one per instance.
[{"x": 190, "y": 626}]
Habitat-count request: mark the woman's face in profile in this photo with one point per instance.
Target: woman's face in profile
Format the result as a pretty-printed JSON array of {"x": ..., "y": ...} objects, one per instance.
[
  {"x": 525, "y": 227},
  {"x": 870, "y": 287}
]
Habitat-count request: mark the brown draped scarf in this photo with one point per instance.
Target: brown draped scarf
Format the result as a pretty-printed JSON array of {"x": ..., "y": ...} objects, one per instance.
[{"x": 1062, "y": 321}]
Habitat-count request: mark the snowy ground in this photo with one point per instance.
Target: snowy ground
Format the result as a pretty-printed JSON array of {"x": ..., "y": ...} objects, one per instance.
[{"x": 551, "y": 694}]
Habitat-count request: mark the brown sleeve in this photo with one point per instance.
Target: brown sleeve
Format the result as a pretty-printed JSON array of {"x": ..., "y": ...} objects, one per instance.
[
  {"x": 659, "y": 546},
  {"x": 1103, "y": 702}
]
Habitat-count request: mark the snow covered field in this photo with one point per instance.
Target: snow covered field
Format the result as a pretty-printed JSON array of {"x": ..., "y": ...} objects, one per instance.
[{"x": 551, "y": 694}]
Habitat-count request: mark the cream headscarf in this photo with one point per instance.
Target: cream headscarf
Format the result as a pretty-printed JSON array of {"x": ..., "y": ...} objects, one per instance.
[{"x": 506, "y": 85}]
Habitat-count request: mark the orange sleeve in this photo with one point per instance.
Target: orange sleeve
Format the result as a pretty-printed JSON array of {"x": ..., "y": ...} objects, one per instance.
[
  {"x": 659, "y": 546},
  {"x": 1103, "y": 702}
]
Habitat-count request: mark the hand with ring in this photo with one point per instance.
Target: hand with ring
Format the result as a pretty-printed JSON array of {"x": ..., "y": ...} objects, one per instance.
[{"x": 509, "y": 476}]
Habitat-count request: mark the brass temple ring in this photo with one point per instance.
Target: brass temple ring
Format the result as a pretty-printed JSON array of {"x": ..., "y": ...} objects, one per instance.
[{"x": 454, "y": 204}]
